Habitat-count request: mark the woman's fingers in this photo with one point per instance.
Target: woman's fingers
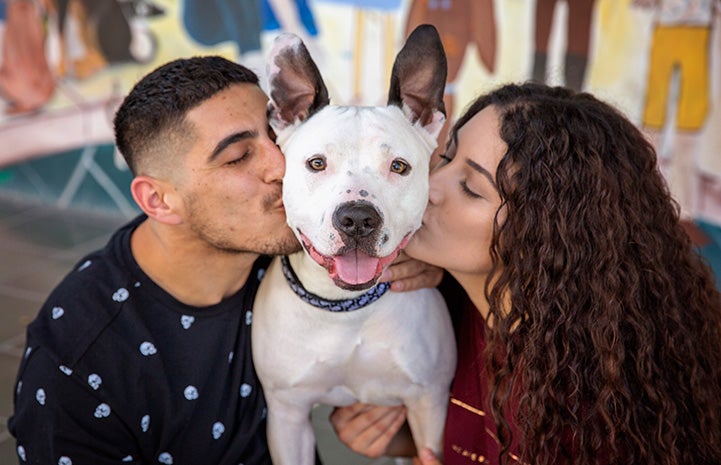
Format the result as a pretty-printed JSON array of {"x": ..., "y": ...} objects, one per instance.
[{"x": 408, "y": 274}]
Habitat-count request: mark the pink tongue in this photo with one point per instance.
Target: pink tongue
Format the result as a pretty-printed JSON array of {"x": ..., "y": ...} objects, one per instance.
[{"x": 356, "y": 267}]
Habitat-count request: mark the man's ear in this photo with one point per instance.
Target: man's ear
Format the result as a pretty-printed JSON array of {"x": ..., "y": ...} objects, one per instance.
[{"x": 157, "y": 199}]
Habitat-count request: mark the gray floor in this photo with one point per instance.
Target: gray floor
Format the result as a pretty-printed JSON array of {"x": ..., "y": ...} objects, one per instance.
[{"x": 38, "y": 245}]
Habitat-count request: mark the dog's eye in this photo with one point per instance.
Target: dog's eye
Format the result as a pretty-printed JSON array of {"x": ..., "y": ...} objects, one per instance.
[
  {"x": 317, "y": 163},
  {"x": 399, "y": 166}
]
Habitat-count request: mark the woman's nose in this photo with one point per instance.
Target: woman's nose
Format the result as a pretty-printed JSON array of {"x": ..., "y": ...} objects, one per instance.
[{"x": 435, "y": 187}]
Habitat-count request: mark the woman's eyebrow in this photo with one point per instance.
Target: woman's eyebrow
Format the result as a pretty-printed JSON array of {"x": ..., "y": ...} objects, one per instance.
[{"x": 482, "y": 170}]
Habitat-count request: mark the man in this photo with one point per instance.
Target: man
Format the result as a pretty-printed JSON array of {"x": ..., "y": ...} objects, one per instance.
[{"x": 142, "y": 353}]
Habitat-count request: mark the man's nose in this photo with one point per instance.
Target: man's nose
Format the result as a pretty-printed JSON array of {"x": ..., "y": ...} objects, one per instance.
[{"x": 275, "y": 162}]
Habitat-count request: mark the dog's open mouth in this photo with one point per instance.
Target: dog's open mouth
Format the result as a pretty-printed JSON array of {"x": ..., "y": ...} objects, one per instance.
[{"x": 354, "y": 269}]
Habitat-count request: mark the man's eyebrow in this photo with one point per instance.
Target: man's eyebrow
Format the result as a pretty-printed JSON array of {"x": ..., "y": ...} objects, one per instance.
[
  {"x": 229, "y": 140},
  {"x": 483, "y": 171}
]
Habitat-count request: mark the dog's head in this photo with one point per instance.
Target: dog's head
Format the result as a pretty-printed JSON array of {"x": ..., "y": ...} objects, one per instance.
[{"x": 356, "y": 179}]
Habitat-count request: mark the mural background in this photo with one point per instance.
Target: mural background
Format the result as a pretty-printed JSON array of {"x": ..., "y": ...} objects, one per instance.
[{"x": 65, "y": 64}]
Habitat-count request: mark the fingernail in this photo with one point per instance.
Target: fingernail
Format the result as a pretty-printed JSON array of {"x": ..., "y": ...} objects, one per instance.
[
  {"x": 397, "y": 286},
  {"x": 386, "y": 276}
]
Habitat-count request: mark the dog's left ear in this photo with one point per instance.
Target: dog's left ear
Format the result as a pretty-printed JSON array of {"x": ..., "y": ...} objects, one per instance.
[
  {"x": 418, "y": 79},
  {"x": 296, "y": 87}
]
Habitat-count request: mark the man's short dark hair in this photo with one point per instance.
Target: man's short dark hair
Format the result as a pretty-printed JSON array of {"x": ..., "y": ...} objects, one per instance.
[{"x": 155, "y": 108}]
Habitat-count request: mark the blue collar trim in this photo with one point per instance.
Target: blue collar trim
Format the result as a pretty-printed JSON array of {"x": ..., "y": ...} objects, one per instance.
[{"x": 373, "y": 294}]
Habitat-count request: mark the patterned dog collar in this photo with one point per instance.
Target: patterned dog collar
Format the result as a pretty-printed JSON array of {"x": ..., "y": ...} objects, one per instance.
[{"x": 373, "y": 294}]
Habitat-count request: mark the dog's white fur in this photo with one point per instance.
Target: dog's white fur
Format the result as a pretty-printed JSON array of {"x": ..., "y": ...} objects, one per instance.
[{"x": 397, "y": 350}]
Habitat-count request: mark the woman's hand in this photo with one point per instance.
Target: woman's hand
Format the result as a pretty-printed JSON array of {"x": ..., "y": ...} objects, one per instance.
[
  {"x": 409, "y": 274},
  {"x": 367, "y": 429},
  {"x": 426, "y": 457}
]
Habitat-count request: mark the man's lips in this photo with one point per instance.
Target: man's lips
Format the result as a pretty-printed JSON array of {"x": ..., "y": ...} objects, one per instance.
[
  {"x": 277, "y": 206},
  {"x": 354, "y": 268}
]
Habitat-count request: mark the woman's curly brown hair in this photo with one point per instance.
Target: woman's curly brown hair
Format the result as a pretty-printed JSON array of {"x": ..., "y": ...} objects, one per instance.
[{"x": 613, "y": 335}]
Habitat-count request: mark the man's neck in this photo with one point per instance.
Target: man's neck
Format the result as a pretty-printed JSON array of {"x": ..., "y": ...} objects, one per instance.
[{"x": 193, "y": 273}]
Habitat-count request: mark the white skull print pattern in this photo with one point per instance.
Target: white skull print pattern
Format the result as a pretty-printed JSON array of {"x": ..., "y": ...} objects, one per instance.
[
  {"x": 190, "y": 393},
  {"x": 121, "y": 295},
  {"x": 57, "y": 312},
  {"x": 218, "y": 430},
  {"x": 102, "y": 411},
  {"x": 94, "y": 380},
  {"x": 148, "y": 348},
  {"x": 65, "y": 370},
  {"x": 186, "y": 321},
  {"x": 40, "y": 396}
]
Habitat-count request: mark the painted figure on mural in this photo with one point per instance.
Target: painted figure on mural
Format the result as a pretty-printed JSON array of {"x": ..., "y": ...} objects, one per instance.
[
  {"x": 26, "y": 82},
  {"x": 385, "y": 11},
  {"x": 88, "y": 36},
  {"x": 460, "y": 24},
  {"x": 243, "y": 22},
  {"x": 578, "y": 39},
  {"x": 678, "y": 93},
  {"x": 97, "y": 33},
  {"x": 294, "y": 16},
  {"x": 217, "y": 21}
]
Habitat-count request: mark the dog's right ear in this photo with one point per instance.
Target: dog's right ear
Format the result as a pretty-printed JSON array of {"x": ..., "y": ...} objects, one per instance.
[{"x": 296, "y": 87}]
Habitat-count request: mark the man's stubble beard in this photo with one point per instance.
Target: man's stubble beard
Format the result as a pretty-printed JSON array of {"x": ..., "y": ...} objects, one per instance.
[
  {"x": 288, "y": 244},
  {"x": 282, "y": 243}
]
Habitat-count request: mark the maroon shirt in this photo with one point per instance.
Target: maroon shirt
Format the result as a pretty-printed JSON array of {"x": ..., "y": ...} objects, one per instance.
[{"x": 470, "y": 433}]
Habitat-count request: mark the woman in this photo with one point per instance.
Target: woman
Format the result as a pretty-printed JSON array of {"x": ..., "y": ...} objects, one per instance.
[{"x": 592, "y": 331}]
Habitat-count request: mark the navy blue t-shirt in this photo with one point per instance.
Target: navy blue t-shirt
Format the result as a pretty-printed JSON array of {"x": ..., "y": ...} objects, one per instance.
[{"x": 118, "y": 371}]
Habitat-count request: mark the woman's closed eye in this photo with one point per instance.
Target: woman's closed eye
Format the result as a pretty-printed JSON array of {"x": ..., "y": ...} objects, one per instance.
[{"x": 468, "y": 191}]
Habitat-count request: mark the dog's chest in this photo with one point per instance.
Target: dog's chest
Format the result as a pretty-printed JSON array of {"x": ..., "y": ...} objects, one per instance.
[{"x": 296, "y": 344}]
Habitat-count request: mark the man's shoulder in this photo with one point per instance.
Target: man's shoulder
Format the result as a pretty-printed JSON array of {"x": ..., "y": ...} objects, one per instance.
[
  {"x": 90, "y": 280},
  {"x": 82, "y": 305}
]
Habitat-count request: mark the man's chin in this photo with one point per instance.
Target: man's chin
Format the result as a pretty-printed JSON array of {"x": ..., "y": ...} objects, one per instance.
[
  {"x": 289, "y": 248},
  {"x": 285, "y": 246},
  {"x": 283, "y": 242}
]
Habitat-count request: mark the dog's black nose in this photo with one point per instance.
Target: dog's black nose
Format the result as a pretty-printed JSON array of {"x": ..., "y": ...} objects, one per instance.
[{"x": 356, "y": 219}]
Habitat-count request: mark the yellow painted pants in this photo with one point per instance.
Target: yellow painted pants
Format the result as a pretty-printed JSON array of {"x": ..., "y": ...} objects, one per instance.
[{"x": 685, "y": 48}]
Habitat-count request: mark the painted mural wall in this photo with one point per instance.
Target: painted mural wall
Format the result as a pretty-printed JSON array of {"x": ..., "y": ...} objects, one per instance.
[{"x": 65, "y": 65}]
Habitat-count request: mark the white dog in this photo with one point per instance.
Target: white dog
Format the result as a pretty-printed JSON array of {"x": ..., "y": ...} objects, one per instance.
[{"x": 355, "y": 188}]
